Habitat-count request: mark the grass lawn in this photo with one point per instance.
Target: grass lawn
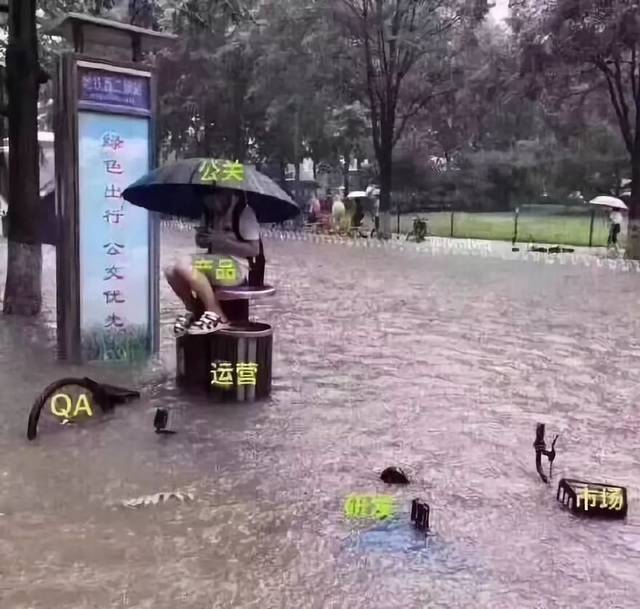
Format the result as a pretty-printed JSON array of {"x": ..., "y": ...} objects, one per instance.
[{"x": 553, "y": 228}]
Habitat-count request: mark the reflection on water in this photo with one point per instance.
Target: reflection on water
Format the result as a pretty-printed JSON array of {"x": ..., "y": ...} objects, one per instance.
[{"x": 439, "y": 364}]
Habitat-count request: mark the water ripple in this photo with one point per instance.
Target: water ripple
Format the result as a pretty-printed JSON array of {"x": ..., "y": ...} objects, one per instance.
[{"x": 440, "y": 363}]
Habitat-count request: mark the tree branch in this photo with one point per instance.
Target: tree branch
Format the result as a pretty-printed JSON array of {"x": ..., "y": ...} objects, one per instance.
[
  {"x": 371, "y": 89},
  {"x": 193, "y": 15},
  {"x": 620, "y": 89},
  {"x": 636, "y": 94},
  {"x": 634, "y": 80},
  {"x": 413, "y": 109},
  {"x": 622, "y": 119}
]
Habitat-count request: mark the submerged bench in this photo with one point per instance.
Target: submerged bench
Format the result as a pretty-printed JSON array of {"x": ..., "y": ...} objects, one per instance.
[{"x": 234, "y": 364}]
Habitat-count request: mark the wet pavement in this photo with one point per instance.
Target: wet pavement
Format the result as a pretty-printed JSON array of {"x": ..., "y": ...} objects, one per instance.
[{"x": 439, "y": 363}]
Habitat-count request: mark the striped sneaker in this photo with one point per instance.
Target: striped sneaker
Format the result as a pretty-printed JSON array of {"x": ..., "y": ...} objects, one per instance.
[
  {"x": 208, "y": 323},
  {"x": 182, "y": 324}
]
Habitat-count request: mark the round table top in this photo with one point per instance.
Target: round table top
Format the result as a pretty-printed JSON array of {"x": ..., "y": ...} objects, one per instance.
[{"x": 244, "y": 292}]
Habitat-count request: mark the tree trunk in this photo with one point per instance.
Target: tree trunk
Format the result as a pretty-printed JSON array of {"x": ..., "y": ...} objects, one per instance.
[
  {"x": 23, "y": 288},
  {"x": 632, "y": 249},
  {"x": 345, "y": 174},
  {"x": 616, "y": 174},
  {"x": 239, "y": 141},
  {"x": 296, "y": 154},
  {"x": 385, "y": 163},
  {"x": 296, "y": 182}
]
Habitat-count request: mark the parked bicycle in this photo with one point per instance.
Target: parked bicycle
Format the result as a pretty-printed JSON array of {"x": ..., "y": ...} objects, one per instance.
[{"x": 419, "y": 231}]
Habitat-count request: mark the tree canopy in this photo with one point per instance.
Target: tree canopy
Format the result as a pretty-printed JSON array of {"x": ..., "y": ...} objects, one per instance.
[{"x": 444, "y": 102}]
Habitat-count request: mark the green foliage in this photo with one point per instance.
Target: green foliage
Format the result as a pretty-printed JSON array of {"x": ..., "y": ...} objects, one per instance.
[
  {"x": 131, "y": 345},
  {"x": 575, "y": 51},
  {"x": 272, "y": 82}
]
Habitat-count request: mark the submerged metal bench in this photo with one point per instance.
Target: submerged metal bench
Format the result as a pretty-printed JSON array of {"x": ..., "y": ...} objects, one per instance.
[{"x": 234, "y": 364}]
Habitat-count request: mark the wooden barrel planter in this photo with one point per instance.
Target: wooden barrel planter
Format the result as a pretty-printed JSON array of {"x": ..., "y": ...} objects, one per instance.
[{"x": 231, "y": 365}]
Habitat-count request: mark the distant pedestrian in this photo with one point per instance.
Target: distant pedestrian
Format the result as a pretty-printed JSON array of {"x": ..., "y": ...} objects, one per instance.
[
  {"x": 314, "y": 210},
  {"x": 358, "y": 215},
  {"x": 374, "y": 196},
  {"x": 338, "y": 211},
  {"x": 615, "y": 226}
]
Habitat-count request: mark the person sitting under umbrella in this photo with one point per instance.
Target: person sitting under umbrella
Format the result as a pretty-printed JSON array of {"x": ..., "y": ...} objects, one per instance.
[{"x": 234, "y": 232}]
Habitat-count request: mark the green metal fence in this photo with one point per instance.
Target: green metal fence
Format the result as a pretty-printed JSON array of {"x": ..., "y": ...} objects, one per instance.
[{"x": 530, "y": 224}]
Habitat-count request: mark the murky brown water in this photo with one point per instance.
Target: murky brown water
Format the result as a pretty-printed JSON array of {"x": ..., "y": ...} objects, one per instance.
[{"x": 440, "y": 364}]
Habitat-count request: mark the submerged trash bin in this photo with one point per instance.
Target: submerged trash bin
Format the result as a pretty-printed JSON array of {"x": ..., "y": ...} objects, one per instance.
[
  {"x": 234, "y": 364},
  {"x": 593, "y": 498},
  {"x": 231, "y": 365}
]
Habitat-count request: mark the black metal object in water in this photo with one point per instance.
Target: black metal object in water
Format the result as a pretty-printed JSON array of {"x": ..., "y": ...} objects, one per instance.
[
  {"x": 541, "y": 449},
  {"x": 394, "y": 475},
  {"x": 106, "y": 396},
  {"x": 162, "y": 421},
  {"x": 420, "y": 513},
  {"x": 594, "y": 499}
]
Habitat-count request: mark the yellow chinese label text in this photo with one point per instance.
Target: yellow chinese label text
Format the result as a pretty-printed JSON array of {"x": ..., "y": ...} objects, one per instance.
[{"x": 378, "y": 507}]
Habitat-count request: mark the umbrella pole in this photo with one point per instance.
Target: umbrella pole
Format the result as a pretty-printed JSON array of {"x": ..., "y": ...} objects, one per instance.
[{"x": 593, "y": 214}]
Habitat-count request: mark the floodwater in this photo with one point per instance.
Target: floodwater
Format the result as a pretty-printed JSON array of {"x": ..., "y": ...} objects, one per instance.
[{"x": 441, "y": 364}]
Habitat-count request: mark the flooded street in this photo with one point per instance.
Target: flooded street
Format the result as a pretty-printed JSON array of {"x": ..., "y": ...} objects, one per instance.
[{"x": 439, "y": 364}]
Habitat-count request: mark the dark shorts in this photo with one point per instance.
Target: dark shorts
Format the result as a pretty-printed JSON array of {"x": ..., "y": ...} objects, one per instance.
[{"x": 615, "y": 229}]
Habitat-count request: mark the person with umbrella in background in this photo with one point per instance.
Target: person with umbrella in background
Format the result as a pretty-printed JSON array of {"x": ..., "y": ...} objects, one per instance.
[
  {"x": 615, "y": 206},
  {"x": 373, "y": 193},
  {"x": 615, "y": 225},
  {"x": 232, "y": 230}
]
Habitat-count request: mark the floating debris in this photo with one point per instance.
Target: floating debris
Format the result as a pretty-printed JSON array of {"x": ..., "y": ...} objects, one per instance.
[
  {"x": 420, "y": 513},
  {"x": 163, "y": 421},
  {"x": 147, "y": 500},
  {"x": 394, "y": 475},
  {"x": 541, "y": 450}
]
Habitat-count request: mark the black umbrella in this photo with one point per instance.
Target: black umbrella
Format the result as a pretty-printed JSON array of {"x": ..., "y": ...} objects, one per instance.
[{"x": 179, "y": 188}]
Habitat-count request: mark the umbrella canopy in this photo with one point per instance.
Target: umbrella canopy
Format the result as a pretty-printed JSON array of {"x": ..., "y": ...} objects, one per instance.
[
  {"x": 357, "y": 194},
  {"x": 606, "y": 201},
  {"x": 179, "y": 189}
]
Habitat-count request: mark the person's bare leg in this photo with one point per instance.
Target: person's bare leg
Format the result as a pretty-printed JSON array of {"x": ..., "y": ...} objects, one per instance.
[
  {"x": 199, "y": 284},
  {"x": 182, "y": 289}
]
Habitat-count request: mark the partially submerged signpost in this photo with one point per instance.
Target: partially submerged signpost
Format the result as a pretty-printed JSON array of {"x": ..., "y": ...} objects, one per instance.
[{"x": 108, "y": 250}]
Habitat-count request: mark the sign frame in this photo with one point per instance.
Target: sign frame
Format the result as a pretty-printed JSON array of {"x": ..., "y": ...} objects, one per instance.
[{"x": 68, "y": 106}]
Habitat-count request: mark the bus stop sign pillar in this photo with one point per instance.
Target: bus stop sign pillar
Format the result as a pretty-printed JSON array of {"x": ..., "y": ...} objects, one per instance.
[{"x": 107, "y": 258}]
